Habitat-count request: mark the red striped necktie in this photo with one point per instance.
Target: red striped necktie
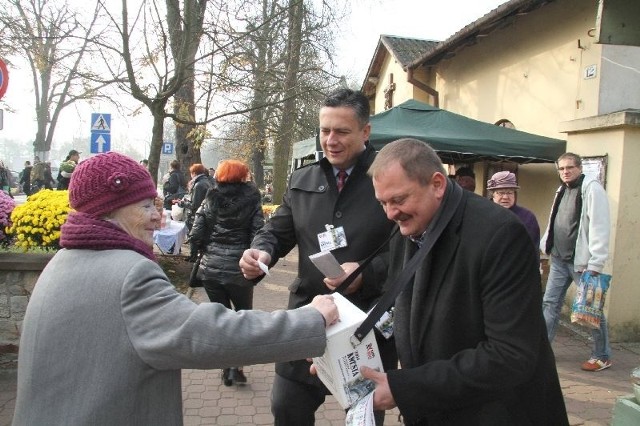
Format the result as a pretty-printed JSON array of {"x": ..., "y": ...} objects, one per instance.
[{"x": 342, "y": 178}]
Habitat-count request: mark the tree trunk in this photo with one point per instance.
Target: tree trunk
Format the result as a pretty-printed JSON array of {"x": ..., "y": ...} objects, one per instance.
[
  {"x": 186, "y": 152},
  {"x": 282, "y": 145},
  {"x": 157, "y": 132},
  {"x": 257, "y": 124},
  {"x": 185, "y": 32}
]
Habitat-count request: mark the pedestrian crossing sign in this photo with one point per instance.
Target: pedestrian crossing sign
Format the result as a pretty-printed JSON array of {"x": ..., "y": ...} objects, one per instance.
[{"x": 101, "y": 123}]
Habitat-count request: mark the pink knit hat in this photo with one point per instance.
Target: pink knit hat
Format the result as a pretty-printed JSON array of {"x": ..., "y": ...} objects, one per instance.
[
  {"x": 106, "y": 182},
  {"x": 503, "y": 179}
]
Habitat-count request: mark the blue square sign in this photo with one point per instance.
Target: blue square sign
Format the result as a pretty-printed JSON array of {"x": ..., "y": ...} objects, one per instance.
[
  {"x": 100, "y": 142},
  {"x": 167, "y": 148},
  {"x": 100, "y": 123}
]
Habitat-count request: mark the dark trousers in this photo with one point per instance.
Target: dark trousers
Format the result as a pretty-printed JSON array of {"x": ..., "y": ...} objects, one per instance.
[
  {"x": 295, "y": 403},
  {"x": 230, "y": 295}
]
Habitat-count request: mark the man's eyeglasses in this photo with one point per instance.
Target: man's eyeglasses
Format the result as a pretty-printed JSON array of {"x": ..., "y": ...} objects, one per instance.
[
  {"x": 505, "y": 193},
  {"x": 567, "y": 168}
]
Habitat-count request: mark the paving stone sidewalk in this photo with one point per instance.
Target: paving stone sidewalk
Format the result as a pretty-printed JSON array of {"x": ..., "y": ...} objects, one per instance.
[{"x": 589, "y": 397}]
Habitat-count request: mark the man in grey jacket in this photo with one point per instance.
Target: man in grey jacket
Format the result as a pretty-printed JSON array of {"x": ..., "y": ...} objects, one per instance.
[{"x": 577, "y": 239}]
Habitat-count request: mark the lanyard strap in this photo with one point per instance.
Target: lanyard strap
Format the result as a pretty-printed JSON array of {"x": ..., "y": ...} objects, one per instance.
[
  {"x": 352, "y": 276},
  {"x": 430, "y": 238}
]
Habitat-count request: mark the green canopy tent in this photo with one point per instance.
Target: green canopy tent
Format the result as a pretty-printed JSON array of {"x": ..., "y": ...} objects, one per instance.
[
  {"x": 305, "y": 148},
  {"x": 305, "y": 151},
  {"x": 457, "y": 138}
]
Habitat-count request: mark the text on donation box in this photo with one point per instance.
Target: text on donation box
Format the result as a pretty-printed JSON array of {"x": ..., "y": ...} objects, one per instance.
[{"x": 339, "y": 366}]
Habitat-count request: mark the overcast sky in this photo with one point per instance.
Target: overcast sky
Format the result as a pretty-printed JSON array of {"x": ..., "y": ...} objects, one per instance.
[
  {"x": 427, "y": 19},
  {"x": 356, "y": 43}
]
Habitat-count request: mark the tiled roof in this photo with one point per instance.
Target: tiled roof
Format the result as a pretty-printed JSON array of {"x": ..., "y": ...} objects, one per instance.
[
  {"x": 403, "y": 49},
  {"x": 406, "y": 50}
]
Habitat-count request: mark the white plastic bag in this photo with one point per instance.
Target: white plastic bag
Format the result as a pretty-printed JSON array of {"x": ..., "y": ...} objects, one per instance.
[{"x": 177, "y": 212}]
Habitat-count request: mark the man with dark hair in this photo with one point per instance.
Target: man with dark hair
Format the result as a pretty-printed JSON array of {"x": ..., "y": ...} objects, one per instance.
[
  {"x": 25, "y": 178},
  {"x": 466, "y": 178},
  {"x": 335, "y": 196},
  {"x": 468, "y": 326},
  {"x": 175, "y": 187},
  {"x": 577, "y": 240}
]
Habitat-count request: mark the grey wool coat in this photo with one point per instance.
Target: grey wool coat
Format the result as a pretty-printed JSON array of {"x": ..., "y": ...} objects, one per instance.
[{"x": 105, "y": 336}]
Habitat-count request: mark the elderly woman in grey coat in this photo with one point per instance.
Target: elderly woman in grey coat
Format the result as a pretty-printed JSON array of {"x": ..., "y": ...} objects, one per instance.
[{"x": 106, "y": 334}]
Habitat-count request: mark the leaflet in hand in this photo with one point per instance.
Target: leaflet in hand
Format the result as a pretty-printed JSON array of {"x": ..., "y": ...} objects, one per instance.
[{"x": 326, "y": 262}]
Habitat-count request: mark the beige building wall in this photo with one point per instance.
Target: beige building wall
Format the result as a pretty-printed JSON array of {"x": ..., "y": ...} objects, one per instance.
[
  {"x": 535, "y": 82},
  {"x": 542, "y": 70},
  {"x": 528, "y": 72},
  {"x": 561, "y": 75},
  {"x": 618, "y": 134},
  {"x": 620, "y": 78},
  {"x": 403, "y": 91}
]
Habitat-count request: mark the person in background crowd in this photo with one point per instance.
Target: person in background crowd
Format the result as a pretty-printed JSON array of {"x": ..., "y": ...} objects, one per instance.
[
  {"x": 468, "y": 327},
  {"x": 49, "y": 182},
  {"x": 37, "y": 176},
  {"x": 5, "y": 179},
  {"x": 145, "y": 163},
  {"x": 333, "y": 193},
  {"x": 224, "y": 226},
  {"x": 66, "y": 169},
  {"x": 210, "y": 172},
  {"x": 25, "y": 178},
  {"x": 503, "y": 187},
  {"x": 198, "y": 187},
  {"x": 466, "y": 178},
  {"x": 577, "y": 240},
  {"x": 175, "y": 186},
  {"x": 105, "y": 333}
]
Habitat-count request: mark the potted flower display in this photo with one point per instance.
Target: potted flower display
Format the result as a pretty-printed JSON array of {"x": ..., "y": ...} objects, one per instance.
[
  {"x": 36, "y": 223},
  {"x": 67, "y": 167},
  {"x": 7, "y": 204}
]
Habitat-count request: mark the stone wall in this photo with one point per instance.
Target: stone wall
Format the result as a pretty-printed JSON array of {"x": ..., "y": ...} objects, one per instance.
[{"x": 18, "y": 275}]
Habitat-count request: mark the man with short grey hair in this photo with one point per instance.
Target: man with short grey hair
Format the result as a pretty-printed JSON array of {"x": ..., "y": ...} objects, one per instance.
[
  {"x": 468, "y": 327},
  {"x": 577, "y": 240}
]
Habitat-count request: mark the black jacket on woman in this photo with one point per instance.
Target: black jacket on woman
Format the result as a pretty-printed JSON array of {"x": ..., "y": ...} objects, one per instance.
[
  {"x": 224, "y": 226},
  {"x": 199, "y": 188}
]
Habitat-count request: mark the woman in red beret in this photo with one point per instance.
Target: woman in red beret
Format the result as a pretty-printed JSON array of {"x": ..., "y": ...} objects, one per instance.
[{"x": 105, "y": 333}]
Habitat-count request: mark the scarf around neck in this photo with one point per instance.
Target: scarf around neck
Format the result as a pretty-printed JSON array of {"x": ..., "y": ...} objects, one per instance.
[{"x": 82, "y": 231}]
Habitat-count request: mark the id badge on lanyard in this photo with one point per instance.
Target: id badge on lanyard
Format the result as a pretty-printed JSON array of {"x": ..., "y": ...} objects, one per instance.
[{"x": 332, "y": 238}]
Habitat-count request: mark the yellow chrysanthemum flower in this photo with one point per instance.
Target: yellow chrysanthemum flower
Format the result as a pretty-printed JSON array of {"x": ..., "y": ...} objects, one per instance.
[{"x": 36, "y": 224}]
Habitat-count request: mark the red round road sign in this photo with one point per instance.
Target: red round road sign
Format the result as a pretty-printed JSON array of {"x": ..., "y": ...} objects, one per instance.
[{"x": 4, "y": 78}]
